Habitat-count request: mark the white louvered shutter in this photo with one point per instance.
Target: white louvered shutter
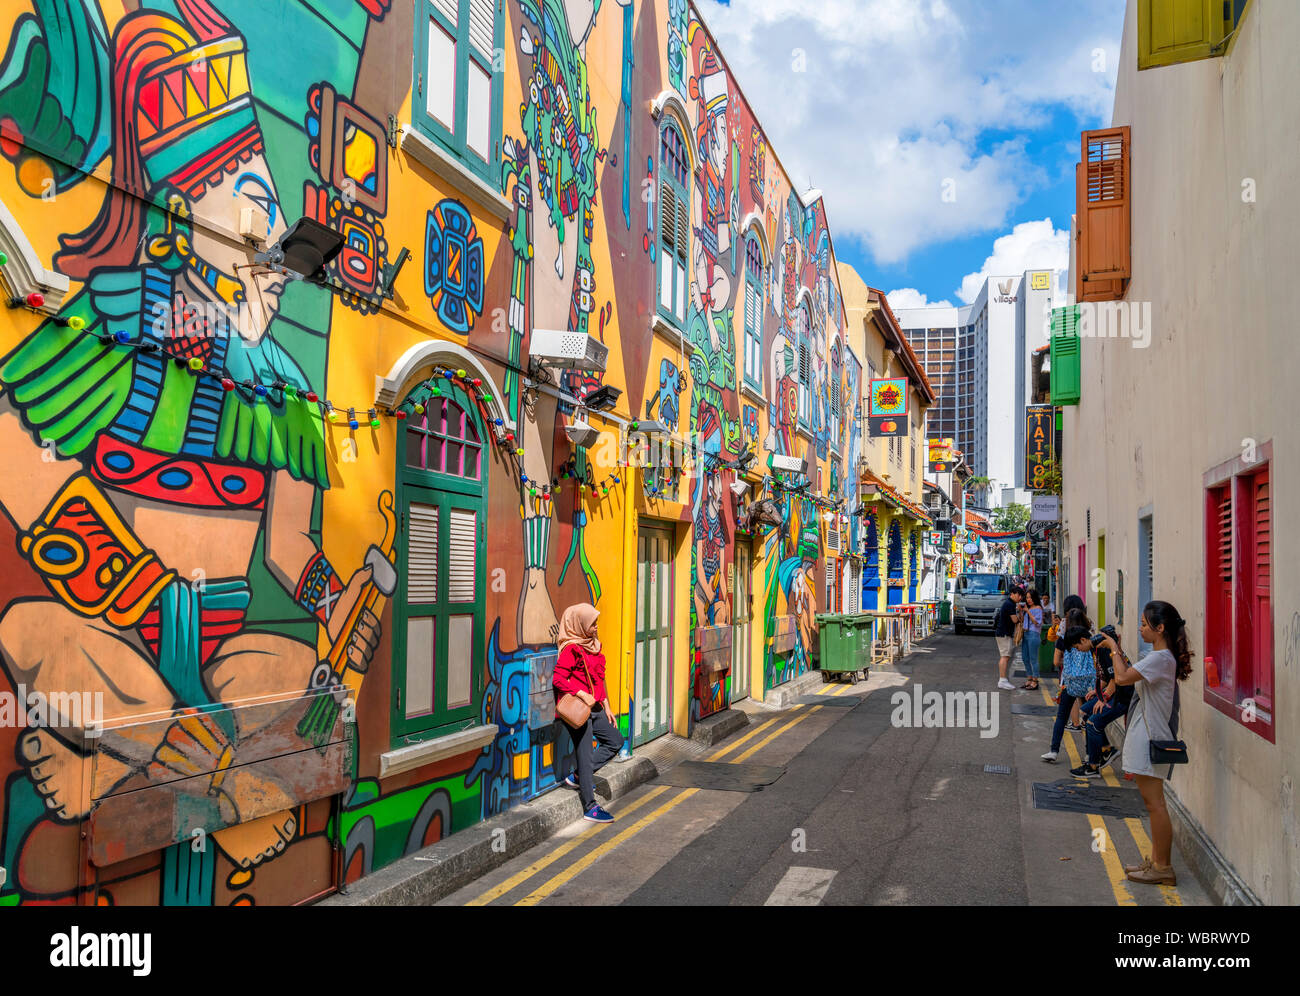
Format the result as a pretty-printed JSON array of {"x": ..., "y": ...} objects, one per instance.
[
  {"x": 482, "y": 25},
  {"x": 462, "y": 554},
  {"x": 422, "y": 555}
]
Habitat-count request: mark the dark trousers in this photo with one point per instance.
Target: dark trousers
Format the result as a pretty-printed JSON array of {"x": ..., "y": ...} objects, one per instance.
[
  {"x": 1062, "y": 717},
  {"x": 1095, "y": 728},
  {"x": 589, "y": 761}
]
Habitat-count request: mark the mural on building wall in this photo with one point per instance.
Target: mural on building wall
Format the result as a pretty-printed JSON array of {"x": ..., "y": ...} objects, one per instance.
[
  {"x": 160, "y": 439},
  {"x": 170, "y": 466}
]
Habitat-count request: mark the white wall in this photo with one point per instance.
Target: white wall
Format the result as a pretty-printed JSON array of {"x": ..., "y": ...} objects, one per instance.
[{"x": 1223, "y": 366}]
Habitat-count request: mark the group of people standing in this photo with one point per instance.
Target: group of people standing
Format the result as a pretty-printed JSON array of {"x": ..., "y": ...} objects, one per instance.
[{"x": 1100, "y": 685}]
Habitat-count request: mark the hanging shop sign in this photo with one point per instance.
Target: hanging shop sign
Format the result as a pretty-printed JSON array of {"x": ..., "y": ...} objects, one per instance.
[
  {"x": 1039, "y": 432},
  {"x": 887, "y": 407},
  {"x": 1045, "y": 508},
  {"x": 941, "y": 456}
]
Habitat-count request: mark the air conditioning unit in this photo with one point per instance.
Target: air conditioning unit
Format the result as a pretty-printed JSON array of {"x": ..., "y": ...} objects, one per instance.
[
  {"x": 568, "y": 350},
  {"x": 788, "y": 464}
]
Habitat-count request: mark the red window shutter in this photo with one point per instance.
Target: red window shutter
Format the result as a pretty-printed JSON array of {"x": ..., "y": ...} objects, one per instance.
[
  {"x": 1256, "y": 580},
  {"x": 1218, "y": 585},
  {"x": 1102, "y": 210}
]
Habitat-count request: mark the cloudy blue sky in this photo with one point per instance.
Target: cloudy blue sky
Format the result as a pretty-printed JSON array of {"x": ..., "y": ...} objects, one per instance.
[{"x": 885, "y": 104}]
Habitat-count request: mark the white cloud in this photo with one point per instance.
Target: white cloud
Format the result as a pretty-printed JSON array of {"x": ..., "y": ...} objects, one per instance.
[
  {"x": 910, "y": 297},
  {"x": 1031, "y": 245},
  {"x": 879, "y": 102}
]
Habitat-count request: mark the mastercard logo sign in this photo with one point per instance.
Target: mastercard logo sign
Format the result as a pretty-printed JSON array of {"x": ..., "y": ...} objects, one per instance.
[{"x": 888, "y": 426}]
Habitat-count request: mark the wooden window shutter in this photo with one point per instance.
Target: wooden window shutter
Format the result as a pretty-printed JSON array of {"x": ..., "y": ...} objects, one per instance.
[
  {"x": 462, "y": 555},
  {"x": 1218, "y": 584},
  {"x": 422, "y": 566},
  {"x": 1173, "y": 31},
  {"x": 1253, "y": 575},
  {"x": 1102, "y": 214},
  {"x": 667, "y": 215},
  {"x": 1261, "y": 604},
  {"x": 1065, "y": 378},
  {"x": 482, "y": 25}
]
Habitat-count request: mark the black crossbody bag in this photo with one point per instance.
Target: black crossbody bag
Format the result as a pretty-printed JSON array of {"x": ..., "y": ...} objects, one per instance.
[{"x": 1169, "y": 751}]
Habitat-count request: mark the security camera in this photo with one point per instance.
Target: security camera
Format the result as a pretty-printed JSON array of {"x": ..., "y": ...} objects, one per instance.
[{"x": 738, "y": 488}]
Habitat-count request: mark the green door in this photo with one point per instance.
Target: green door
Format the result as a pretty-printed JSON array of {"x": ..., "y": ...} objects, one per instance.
[
  {"x": 438, "y": 621},
  {"x": 654, "y": 628},
  {"x": 742, "y": 613}
]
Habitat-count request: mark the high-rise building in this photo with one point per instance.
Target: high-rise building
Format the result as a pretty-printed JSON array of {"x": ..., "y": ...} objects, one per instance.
[{"x": 977, "y": 359}]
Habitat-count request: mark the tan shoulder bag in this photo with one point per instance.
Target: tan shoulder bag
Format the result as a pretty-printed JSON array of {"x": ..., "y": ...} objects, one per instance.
[{"x": 572, "y": 709}]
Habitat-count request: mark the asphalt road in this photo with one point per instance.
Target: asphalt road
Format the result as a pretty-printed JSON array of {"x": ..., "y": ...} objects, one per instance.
[{"x": 865, "y": 811}]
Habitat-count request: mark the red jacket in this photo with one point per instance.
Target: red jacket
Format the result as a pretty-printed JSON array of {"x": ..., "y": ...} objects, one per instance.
[{"x": 569, "y": 675}]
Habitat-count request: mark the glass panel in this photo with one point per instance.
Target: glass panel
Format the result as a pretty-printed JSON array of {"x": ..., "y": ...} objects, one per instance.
[
  {"x": 440, "y": 76},
  {"x": 470, "y": 432},
  {"x": 665, "y": 281},
  {"x": 451, "y": 462},
  {"x": 460, "y": 658},
  {"x": 434, "y": 459},
  {"x": 471, "y": 462},
  {"x": 638, "y": 676},
  {"x": 437, "y": 415},
  {"x": 681, "y": 292},
  {"x": 661, "y": 699},
  {"x": 420, "y": 645},
  {"x": 414, "y": 448},
  {"x": 478, "y": 112},
  {"x": 642, "y": 575}
]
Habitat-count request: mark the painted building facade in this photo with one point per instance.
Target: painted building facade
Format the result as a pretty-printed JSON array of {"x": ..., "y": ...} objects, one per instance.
[
  {"x": 890, "y": 469},
  {"x": 299, "y": 546},
  {"x": 1197, "y": 439}
]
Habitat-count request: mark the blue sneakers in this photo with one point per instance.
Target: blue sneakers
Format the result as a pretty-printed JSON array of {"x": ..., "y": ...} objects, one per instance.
[
  {"x": 571, "y": 781},
  {"x": 597, "y": 815}
]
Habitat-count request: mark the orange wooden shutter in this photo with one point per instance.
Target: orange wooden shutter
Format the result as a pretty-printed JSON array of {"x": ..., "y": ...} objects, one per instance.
[{"x": 1102, "y": 209}]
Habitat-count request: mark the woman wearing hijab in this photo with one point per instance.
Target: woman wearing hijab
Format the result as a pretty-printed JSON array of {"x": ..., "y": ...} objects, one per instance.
[{"x": 580, "y": 671}]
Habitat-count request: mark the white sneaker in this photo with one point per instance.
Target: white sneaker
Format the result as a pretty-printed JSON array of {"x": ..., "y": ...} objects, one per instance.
[
  {"x": 1050, "y": 757},
  {"x": 1003, "y": 683}
]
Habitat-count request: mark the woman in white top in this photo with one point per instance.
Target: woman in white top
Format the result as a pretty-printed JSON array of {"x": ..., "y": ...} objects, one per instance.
[{"x": 1153, "y": 716}]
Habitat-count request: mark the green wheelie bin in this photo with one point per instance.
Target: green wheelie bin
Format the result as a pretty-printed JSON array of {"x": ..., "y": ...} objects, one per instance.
[{"x": 839, "y": 641}]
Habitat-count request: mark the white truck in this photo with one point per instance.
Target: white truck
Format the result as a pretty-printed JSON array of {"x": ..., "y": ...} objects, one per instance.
[{"x": 977, "y": 599}]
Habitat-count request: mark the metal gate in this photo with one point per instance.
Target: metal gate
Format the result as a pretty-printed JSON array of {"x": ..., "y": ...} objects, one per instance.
[
  {"x": 653, "y": 662},
  {"x": 742, "y": 612}
]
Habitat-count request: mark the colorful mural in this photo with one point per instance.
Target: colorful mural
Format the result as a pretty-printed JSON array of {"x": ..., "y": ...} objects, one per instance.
[{"x": 285, "y": 525}]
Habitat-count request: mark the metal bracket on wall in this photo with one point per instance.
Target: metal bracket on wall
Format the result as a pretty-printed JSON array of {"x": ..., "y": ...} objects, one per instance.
[{"x": 393, "y": 129}]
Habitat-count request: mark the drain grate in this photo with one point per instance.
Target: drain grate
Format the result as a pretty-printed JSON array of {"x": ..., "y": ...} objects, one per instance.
[
  {"x": 1073, "y": 797},
  {"x": 997, "y": 769}
]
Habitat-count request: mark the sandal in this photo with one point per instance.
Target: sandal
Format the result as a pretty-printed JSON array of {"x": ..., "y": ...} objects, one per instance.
[{"x": 1029, "y": 686}]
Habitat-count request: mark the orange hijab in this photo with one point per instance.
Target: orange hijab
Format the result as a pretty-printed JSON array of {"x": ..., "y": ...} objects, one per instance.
[{"x": 578, "y": 625}]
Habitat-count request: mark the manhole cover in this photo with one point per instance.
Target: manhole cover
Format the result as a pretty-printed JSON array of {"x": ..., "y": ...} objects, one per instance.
[
  {"x": 1025, "y": 709},
  {"x": 997, "y": 769},
  {"x": 832, "y": 700},
  {"x": 720, "y": 776},
  {"x": 1073, "y": 797}
]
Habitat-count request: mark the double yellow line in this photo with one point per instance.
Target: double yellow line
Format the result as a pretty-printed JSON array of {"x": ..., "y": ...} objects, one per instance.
[
  {"x": 1114, "y": 870},
  {"x": 587, "y": 860}
]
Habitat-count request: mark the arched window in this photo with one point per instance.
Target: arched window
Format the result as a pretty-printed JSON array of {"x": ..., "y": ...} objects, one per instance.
[
  {"x": 674, "y": 225},
  {"x": 439, "y": 606},
  {"x": 443, "y": 440},
  {"x": 753, "y": 314}
]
